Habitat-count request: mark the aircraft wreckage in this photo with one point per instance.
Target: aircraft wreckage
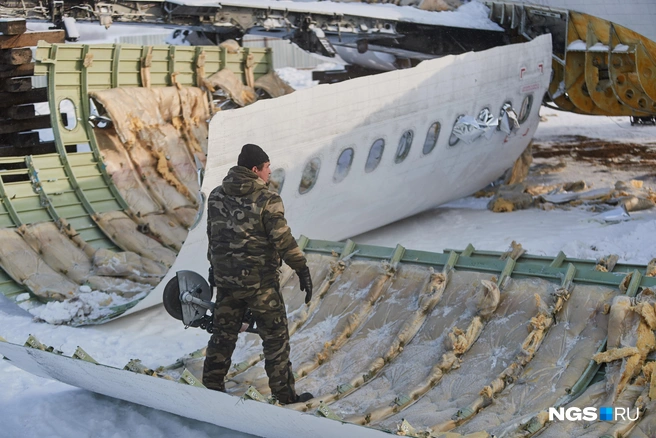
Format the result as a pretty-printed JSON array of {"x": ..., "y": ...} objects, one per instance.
[
  {"x": 114, "y": 221},
  {"x": 464, "y": 343},
  {"x": 600, "y": 67},
  {"x": 456, "y": 344},
  {"x": 112, "y": 225}
]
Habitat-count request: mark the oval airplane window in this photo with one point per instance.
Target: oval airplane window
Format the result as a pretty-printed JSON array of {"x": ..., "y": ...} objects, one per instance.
[
  {"x": 276, "y": 180},
  {"x": 375, "y": 155},
  {"x": 67, "y": 114},
  {"x": 454, "y": 139},
  {"x": 310, "y": 175},
  {"x": 431, "y": 138},
  {"x": 343, "y": 164},
  {"x": 404, "y": 146},
  {"x": 526, "y": 108}
]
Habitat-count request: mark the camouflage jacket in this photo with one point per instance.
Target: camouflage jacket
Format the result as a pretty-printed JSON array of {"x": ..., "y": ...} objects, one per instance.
[{"x": 248, "y": 233}]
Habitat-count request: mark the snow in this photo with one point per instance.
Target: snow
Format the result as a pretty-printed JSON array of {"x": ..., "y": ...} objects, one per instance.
[
  {"x": 469, "y": 15},
  {"x": 599, "y": 47},
  {"x": 89, "y": 304},
  {"x": 577, "y": 45},
  {"x": 33, "y": 407},
  {"x": 94, "y": 33}
]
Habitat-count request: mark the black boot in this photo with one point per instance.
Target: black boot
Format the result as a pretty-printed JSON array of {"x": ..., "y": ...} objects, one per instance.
[{"x": 302, "y": 398}]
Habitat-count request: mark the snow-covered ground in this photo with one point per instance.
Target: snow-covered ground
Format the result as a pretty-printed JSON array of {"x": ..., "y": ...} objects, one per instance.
[{"x": 33, "y": 407}]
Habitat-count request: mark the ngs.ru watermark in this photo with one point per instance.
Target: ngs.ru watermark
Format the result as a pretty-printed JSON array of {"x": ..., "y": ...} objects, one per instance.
[{"x": 604, "y": 413}]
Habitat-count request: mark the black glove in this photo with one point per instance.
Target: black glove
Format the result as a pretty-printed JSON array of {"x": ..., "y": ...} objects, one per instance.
[
  {"x": 306, "y": 282},
  {"x": 210, "y": 277}
]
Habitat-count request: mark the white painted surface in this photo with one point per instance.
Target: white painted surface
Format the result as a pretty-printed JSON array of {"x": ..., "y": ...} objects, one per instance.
[
  {"x": 324, "y": 120},
  {"x": 185, "y": 400}
]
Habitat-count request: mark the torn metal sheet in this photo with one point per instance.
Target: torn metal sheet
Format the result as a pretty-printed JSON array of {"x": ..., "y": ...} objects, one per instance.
[{"x": 562, "y": 198}]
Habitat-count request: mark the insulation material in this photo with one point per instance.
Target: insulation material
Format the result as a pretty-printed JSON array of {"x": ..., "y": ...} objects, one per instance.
[
  {"x": 435, "y": 345},
  {"x": 457, "y": 308},
  {"x": 623, "y": 426},
  {"x": 127, "y": 264},
  {"x": 607, "y": 264},
  {"x": 350, "y": 323},
  {"x": 303, "y": 314},
  {"x": 646, "y": 427},
  {"x": 232, "y": 86},
  {"x": 57, "y": 250},
  {"x": 123, "y": 231},
  {"x": 342, "y": 299},
  {"x": 381, "y": 339},
  {"x": 161, "y": 224},
  {"x": 64, "y": 256},
  {"x": 124, "y": 173},
  {"x": 651, "y": 268},
  {"x": 594, "y": 396},
  {"x": 329, "y": 318},
  {"x": 630, "y": 330},
  {"x": 190, "y": 115},
  {"x": 564, "y": 354},
  {"x": 519, "y": 171},
  {"x": 26, "y": 267},
  {"x": 497, "y": 347},
  {"x": 158, "y": 142},
  {"x": 163, "y": 229},
  {"x": 119, "y": 286},
  {"x": 273, "y": 85}
]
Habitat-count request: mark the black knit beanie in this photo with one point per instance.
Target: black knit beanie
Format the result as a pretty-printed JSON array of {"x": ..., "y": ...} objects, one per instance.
[{"x": 252, "y": 155}]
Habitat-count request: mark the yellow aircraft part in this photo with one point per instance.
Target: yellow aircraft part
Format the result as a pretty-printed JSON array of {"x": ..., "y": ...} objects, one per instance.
[
  {"x": 576, "y": 87},
  {"x": 600, "y": 88},
  {"x": 559, "y": 97},
  {"x": 624, "y": 72},
  {"x": 609, "y": 70}
]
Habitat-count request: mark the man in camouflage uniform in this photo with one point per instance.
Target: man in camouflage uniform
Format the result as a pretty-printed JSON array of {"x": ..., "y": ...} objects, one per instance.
[{"x": 248, "y": 235}]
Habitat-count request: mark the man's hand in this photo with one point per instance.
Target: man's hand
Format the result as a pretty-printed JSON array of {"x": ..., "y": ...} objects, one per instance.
[
  {"x": 210, "y": 277},
  {"x": 306, "y": 282}
]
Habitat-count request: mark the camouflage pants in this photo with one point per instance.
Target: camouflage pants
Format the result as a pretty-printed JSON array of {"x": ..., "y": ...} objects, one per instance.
[{"x": 268, "y": 310}]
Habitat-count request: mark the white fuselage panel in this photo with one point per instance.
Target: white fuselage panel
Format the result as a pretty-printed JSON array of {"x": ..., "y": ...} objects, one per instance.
[{"x": 320, "y": 122}]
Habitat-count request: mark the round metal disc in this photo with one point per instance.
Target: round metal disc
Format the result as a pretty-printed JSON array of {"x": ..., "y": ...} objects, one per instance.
[{"x": 171, "y": 299}]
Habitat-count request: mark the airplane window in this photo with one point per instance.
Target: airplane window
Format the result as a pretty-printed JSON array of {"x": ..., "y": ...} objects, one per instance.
[
  {"x": 276, "y": 180},
  {"x": 453, "y": 139},
  {"x": 310, "y": 175},
  {"x": 343, "y": 164},
  {"x": 68, "y": 114},
  {"x": 431, "y": 138},
  {"x": 526, "y": 108},
  {"x": 375, "y": 155},
  {"x": 404, "y": 146}
]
